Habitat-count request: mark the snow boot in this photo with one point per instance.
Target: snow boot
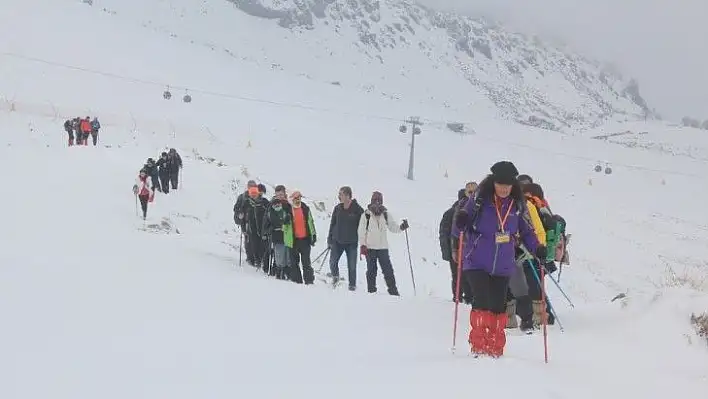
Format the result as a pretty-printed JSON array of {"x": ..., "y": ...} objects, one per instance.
[
  {"x": 538, "y": 309},
  {"x": 511, "y": 321},
  {"x": 524, "y": 309},
  {"x": 496, "y": 336},
  {"x": 479, "y": 322}
]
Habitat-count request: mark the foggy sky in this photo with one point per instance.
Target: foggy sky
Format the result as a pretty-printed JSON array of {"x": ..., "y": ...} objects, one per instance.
[{"x": 663, "y": 43}]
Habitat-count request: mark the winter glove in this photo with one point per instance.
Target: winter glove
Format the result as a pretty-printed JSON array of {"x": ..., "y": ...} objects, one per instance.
[
  {"x": 313, "y": 240},
  {"x": 363, "y": 250},
  {"x": 404, "y": 225},
  {"x": 550, "y": 267},
  {"x": 135, "y": 189},
  {"x": 286, "y": 219},
  {"x": 461, "y": 219},
  {"x": 541, "y": 252}
]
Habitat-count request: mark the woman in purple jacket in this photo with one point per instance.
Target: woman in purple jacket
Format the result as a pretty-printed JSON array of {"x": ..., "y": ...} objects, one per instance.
[{"x": 494, "y": 223}]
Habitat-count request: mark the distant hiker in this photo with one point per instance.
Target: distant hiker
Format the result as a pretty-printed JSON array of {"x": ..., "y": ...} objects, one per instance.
[
  {"x": 69, "y": 128},
  {"x": 343, "y": 235},
  {"x": 163, "y": 165},
  {"x": 374, "y": 225},
  {"x": 175, "y": 165},
  {"x": 152, "y": 171},
  {"x": 95, "y": 127},
  {"x": 76, "y": 127},
  {"x": 240, "y": 209},
  {"x": 277, "y": 232},
  {"x": 85, "y": 127},
  {"x": 143, "y": 191},
  {"x": 255, "y": 210},
  {"x": 491, "y": 221},
  {"x": 305, "y": 237},
  {"x": 449, "y": 248}
]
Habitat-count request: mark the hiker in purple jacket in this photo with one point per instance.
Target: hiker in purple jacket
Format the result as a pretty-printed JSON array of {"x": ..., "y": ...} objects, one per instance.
[{"x": 494, "y": 224}]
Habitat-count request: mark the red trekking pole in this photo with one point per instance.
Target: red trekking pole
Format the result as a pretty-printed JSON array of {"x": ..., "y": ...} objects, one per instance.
[{"x": 457, "y": 291}]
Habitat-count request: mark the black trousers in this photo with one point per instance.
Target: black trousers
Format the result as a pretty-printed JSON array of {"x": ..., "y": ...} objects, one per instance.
[
  {"x": 257, "y": 247},
  {"x": 174, "y": 178},
  {"x": 384, "y": 259},
  {"x": 165, "y": 182},
  {"x": 301, "y": 253},
  {"x": 144, "y": 204},
  {"x": 465, "y": 288},
  {"x": 489, "y": 291}
]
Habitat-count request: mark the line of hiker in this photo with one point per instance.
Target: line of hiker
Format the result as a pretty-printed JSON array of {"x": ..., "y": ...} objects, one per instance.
[
  {"x": 163, "y": 174},
  {"x": 278, "y": 235},
  {"x": 80, "y": 129}
]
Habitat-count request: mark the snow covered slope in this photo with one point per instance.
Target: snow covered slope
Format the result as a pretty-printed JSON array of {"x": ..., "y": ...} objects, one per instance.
[
  {"x": 99, "y": 304},
  {"x": 390, "y": 50}
]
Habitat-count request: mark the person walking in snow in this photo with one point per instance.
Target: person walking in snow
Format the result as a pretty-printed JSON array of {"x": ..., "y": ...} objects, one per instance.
[
  {"x": 278, "y": 233},
  {"x": 95, "y": 127},
  {"x": 85, "y": 127},
  {"x": 519, "y": 301},
  {"x": 143, "y": 191},
  {"x": 374, "y": 225},
  {"x": 449, "y": 248},
  {"x": 174, "y": 162},
  {"x": 240, "y": 210},
  {"x": 152, "y": 172},
  {"x": 305, "y": 237},
  {"x": 492, "y": 221},
  {"x": 255, "y": 210},
  {"x": 163, "y": 171},
  {"x": 69, "y": 128},
  {"x": 343, "y": 235}
]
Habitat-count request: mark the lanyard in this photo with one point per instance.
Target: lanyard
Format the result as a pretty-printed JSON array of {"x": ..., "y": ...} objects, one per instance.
[{"x": 498, "y": 207}]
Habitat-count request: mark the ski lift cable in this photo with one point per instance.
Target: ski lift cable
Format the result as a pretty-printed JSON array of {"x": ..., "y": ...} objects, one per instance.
[{"x": 328, "y": 110}]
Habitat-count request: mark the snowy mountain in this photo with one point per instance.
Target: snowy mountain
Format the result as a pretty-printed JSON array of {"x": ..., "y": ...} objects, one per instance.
[
  {"x": 527, "y": 80},
  {"x": 99, "y": 303},
  {"x": 399, "y": 49}
]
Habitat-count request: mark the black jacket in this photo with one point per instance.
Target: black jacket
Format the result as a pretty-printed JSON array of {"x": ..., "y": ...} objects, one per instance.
[
  {"x": 254, "y": 213},
  {"x": 344, "y": 226},
  {"x": 273, "y": 222},
  {"x": 445, "y": 232}
]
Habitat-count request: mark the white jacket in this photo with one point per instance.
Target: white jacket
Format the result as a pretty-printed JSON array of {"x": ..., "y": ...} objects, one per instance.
[{"x": 377, "y": 235}]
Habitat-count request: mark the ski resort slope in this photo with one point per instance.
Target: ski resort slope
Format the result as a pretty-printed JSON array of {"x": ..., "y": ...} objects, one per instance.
[{"x": 98, "y": 303}]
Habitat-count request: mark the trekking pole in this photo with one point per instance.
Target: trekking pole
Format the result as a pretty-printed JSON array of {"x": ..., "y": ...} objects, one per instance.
[
  {"x": 240, "y": 249},
  {"x": 457, "y": 292},
  {"x": 317, "y": 259},
  {"x": 325, "y": 260},
  {"x": 545, "y": 295},
  {"x": 410, "y": 260},
  {"x": 561, "y": 290},
  {"x": 136, "y": 205}
]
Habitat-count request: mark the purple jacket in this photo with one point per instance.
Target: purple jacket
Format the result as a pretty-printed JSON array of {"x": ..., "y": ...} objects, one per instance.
[{"x": 481, "y": 252}]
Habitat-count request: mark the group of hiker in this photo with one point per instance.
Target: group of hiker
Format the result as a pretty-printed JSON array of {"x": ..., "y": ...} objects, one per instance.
[
  {"x": 79, "y": 130},
  {"x": 500, "y": 238},
  {"x": 278, "y": 235},
  {"x": 163, "y": 175}
]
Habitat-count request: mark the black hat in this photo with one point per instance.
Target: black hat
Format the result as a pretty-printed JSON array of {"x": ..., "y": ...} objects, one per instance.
[
  {"x": 504, "y": 172},
  {"x": 262, "y": 188},
  {"x": 524, "y": 179},
  {"x": 461, "y": 193}
]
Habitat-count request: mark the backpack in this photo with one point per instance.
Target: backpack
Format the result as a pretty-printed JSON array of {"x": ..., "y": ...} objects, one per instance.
[
  {"x": 368, "y": 217},
  {"x": 555, "y": 226}
]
